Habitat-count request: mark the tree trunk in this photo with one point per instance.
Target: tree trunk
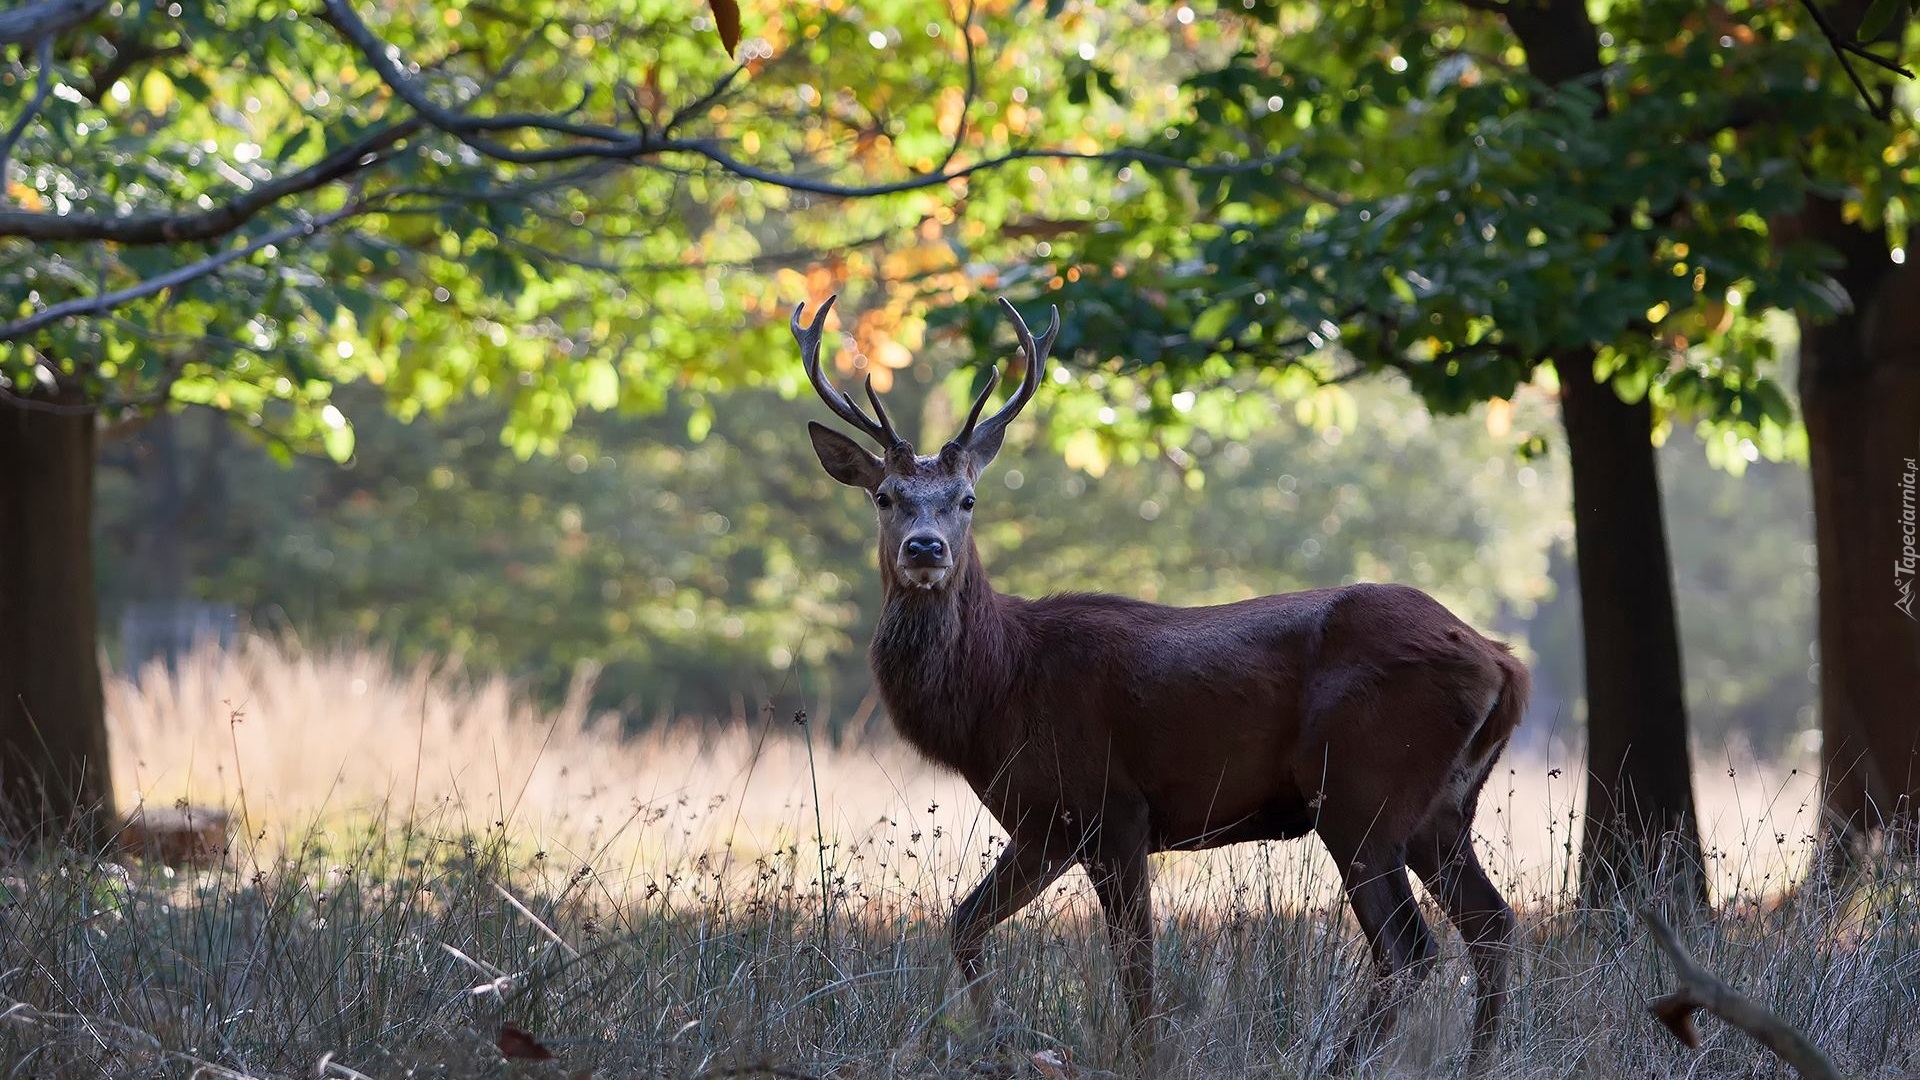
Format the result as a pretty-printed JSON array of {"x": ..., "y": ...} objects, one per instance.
[
  {"x": 1639, "y": 813},
  {"x": 54, "y": 781},
  {"x": 1860, "y": 396}
]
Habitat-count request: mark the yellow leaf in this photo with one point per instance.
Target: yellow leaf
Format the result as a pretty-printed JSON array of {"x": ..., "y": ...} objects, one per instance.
[
  {"x": 26, "y": 196},
  {"x": 1499, "y": 417},
  {"x": 156, "y": 91},
  {"x": 1084, "y": 452},
  {"x": 891, "y": 354}
]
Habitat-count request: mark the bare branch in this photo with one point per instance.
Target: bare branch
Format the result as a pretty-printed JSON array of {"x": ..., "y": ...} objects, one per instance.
[
  {"x": 860, "y": 191},
  {"x": 32, "y": 404},
  {"x": 221, "y": 220},
  {"x": 43, "y": 84},
  {"x": 105, "y": 302},
  {"x": 1701, "y": 990},
  {"x": 973, "y": 89},
  {"x": 35, "y": 22},
  {"x": 1843, "y": 47}
]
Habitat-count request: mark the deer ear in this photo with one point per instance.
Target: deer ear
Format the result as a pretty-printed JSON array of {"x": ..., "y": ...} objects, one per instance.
[
  {"x": 845, "y": 460},
  {"x": 986, "y": 444}
]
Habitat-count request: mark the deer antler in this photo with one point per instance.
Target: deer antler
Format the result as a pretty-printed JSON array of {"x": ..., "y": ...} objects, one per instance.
[
  {"x": 843, "y": 406},
  {"x": 988, "y": 431}
]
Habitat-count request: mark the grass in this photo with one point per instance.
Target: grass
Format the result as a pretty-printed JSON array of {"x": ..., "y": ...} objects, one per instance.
[{"x": 428, "y": 858}]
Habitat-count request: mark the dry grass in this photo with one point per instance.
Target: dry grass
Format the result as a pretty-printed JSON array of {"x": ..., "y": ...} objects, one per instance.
[{"x": 431, "y": 858}]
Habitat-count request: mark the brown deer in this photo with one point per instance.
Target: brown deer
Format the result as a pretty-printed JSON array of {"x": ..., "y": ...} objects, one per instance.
[{"x": 1099, "y": 729}]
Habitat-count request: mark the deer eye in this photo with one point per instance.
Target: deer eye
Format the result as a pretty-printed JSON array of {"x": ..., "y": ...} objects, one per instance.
[
  {"x": 882, "y": 500},
  {"x": 966, "y": 503}
]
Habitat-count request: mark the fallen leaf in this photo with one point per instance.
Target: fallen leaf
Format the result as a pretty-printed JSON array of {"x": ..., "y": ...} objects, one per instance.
[
  {"x": 1053, "y": 1066},
  {"x": 515, "y": 1043}
]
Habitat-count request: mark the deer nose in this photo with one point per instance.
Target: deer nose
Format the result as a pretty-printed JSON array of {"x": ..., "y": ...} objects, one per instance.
[{"x": 925, "y": 551}]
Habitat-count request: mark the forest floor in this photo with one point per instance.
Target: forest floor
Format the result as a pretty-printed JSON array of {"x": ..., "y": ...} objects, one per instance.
[{"x": 429, "y": 877}]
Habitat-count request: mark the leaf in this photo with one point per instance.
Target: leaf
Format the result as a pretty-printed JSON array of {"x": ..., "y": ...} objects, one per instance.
[
  {"x": 601, "y": 389},
  {"x": 1878, "y": 17},
  {"x": 726, "y": 19},
  {"x": 1214, "y": 320},
  {"x": 515, "y": 1043},
  {"x": 156, "y": 92}
]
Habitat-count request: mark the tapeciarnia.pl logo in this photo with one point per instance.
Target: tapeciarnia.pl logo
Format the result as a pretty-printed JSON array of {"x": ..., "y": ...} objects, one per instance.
[{"x": 1903, "y": 567}]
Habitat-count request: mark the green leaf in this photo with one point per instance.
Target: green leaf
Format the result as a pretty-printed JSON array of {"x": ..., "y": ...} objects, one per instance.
[
  {"x": 600, "y": 386},
  {"x": 1879, "y": 15},
  {"x": 1213, "y": 322}
]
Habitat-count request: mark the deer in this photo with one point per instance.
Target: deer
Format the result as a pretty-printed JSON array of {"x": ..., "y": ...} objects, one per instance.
[{"x": 1098, "y": 729}]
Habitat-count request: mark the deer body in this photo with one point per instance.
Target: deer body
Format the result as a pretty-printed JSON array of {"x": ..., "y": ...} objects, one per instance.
[
  {"x": 1099, "y": 729},
  {"x": 1222, "y": 721}
]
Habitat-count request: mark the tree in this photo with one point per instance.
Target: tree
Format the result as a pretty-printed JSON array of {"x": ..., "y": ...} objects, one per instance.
[
  {"x": 240, "y": 206},
  {"x": 1860, "y": 395},
  {"x": 1481, "y": 196}
]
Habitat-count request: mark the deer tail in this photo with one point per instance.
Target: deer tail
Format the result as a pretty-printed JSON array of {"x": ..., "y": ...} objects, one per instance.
[{"x": 1507, "y": 709}]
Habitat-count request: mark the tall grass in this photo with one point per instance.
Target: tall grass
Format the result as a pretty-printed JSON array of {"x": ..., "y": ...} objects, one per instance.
[{"x": 428, "y": 857}]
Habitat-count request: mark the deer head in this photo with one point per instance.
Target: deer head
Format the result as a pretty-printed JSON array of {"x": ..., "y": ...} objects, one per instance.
[{"x": 925, "y": 502}]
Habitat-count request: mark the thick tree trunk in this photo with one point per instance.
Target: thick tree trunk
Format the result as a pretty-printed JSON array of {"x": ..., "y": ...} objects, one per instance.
[
  {"x": 1639, "y": 814},
  {"x": 54, "y": 782},
  {"x": 1860, "y": 395}
]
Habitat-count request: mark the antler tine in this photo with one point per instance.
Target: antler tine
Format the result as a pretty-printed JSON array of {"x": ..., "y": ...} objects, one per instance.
[
  {"x": 838, "y": 400},
  {"x": 973, "y": 415},
  {"x": 891, "y": 436},
  {"x": 1036, "y": 362}
]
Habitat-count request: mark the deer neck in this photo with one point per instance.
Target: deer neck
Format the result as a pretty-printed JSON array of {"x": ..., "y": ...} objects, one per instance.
[{"x": 940, "y": 661}]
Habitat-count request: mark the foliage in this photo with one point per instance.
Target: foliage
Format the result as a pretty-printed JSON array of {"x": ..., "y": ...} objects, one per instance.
[
  {"x": 241, "y": 207},
  {"x": 1442, "y": 215}
]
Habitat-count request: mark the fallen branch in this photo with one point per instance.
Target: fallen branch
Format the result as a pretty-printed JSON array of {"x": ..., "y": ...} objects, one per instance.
[{"x": 1699, "y": 989}]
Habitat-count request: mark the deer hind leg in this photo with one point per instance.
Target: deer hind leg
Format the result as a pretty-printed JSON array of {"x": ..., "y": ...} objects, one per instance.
[
  {"x": 1022, "y": 873},
  {"x": 1442, "y": 854},
  {"x": 1403, "y": 949}
]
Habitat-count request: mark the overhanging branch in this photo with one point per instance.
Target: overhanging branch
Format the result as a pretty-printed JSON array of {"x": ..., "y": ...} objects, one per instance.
[
  {"x": 610, "y": 142},
  {"x": 35, "y": 22},
  {"x": 1843, "y": 48},
  {"x": 43, "y": 85},
  {"x": 104, "y": 302},
  {"x": 212, "y": 224}
]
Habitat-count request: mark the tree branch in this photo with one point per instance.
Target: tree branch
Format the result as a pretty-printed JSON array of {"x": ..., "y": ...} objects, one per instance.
[
  {"x": 602, "y": 141},
  {"x": 1843, "y": 47},
  {"x": 45, "y": 19},
  {"x": 1701, "y": 990},
  {"x": 105, "y": 302},
  {"x": 43, "y": 84},
  {"x": 172, "y": 228}
]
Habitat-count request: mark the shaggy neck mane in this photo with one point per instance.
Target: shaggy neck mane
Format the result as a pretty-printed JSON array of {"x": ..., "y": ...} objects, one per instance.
[{"x": 941, "y": 658}]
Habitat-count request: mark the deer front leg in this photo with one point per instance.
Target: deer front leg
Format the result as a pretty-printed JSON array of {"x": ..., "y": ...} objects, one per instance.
[
  {"x": 1021, "y": 874},
  {"x": 1121, "y": 880}
]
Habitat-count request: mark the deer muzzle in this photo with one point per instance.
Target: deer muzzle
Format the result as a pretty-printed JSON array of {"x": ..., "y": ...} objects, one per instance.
[{"x": 925, "y": 560}]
